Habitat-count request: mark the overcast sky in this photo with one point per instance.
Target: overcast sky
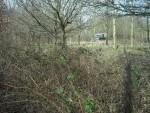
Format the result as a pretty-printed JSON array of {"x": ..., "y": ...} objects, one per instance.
[{"x": 9, "y": 2}]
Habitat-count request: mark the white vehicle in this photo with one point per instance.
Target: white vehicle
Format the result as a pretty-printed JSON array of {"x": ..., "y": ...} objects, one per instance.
[{"x": 100, "y": 36}]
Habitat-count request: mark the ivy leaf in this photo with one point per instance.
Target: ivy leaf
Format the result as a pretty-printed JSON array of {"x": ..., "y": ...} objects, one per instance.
[
  {"x": 136, "y": 76},
  {"x": 59, "y": 91},
  {"x": 88, "y": 109},
  {"x": 136, "y": 72},
  {"x": 77, "y": 93},
  {"x": 136, "y": 84},
  {"x": 71, "y": 76},
  {"x": 62, "y": 60},
  {"x": 68, "y": 99},
  {"x": 89, "y": 105}
]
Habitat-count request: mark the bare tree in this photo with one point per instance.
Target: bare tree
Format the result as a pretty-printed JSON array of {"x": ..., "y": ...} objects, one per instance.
[
  {"x": 138, "y": 9},
  {"x": 3, "y": 16},
  {"x": 124, "y": 8},
  {"x": 58, "y": 15},
  {"x": 132, "y": 31},
  {"x": 114, "y": 31}
]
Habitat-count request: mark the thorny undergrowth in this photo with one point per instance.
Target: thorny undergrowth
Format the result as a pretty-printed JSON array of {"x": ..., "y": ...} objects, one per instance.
[{"x": 79, "y": 81}]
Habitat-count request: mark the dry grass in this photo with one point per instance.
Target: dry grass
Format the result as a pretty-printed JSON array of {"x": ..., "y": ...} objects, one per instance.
[{"x": 58, "y": 82}]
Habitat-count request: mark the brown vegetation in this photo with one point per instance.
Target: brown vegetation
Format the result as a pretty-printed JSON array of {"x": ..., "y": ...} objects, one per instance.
[{"x": 61, "y": 82}]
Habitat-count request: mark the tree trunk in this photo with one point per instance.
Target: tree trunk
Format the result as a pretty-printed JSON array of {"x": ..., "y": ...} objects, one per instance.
[
  {"x": 132, "y": 31},
  {"x": 79, "y": 38},
  {"x": 56, "y": 41},
  {"x": 107, "y": 27},
  {"x": 114, "y": 32},
  {"x": 107, "y": 37},
  {"x": 148, "y": 29},
  {"x": 64, "y": 43}
]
